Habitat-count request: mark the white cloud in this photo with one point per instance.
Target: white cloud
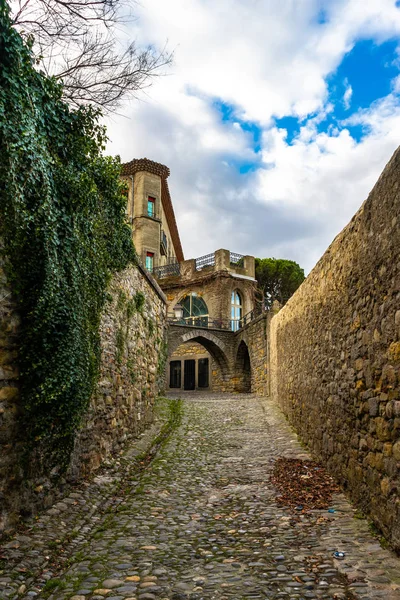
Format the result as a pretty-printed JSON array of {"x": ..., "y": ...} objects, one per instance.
[
  {"x": 267, "y": 59},
  {"x": 347, "y": 94}
]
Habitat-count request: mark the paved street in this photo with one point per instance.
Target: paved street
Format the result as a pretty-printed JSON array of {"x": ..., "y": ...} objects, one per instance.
[{"x": 199, "y": 521}]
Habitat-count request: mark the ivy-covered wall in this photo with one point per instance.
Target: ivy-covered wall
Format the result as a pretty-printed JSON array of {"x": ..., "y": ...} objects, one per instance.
[
  {"x": 133, "y": 352},
  {"x": 133, "y": 342},
  {"x": 64, "y": 241}
]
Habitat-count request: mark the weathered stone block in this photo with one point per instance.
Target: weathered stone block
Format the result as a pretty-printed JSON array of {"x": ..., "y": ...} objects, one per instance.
[
  {"x": 394, "y": 352},
  {"x": 396, "y": 450},
  {"x": 373, "y": 407},
  {"x": 386, "y": 486},
  {"x": 383, "y": 429},
  {"x": 8, "y": 393}
]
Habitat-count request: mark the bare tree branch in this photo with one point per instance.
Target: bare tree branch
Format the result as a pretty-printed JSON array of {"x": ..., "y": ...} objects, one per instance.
[{"x": 77, "y": 42}]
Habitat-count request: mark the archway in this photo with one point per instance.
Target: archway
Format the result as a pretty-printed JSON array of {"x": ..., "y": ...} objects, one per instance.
[
  {"x": 242, "y": 374},
  {"x": 197, "y": 360}
]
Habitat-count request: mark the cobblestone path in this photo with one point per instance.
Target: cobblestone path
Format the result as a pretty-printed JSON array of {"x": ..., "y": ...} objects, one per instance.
[{"x": 201, "y": 522}]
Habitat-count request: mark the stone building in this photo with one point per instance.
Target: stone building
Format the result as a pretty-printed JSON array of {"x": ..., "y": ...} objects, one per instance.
[
  {"x": 151, "y": 214},
  {"x": 215, "y": 292}
]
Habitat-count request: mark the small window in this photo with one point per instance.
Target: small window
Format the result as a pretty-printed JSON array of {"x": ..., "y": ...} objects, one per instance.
[
  {"x": 195, "y": 311},
  {"x": 150, "y": 261},
  {"x": 236, "y": 311},
  {"x": 151, "y": 206}
]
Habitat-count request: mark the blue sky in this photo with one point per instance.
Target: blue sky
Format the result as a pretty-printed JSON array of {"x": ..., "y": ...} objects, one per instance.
[
  {"x": 366, "y": 73},
  {"x": 275, "y": 119}
]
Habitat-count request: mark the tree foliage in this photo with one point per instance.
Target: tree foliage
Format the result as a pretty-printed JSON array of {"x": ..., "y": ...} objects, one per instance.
[
  {"x": 62, "y": 213},
  {"x": 78, "y": 43},
  {"x": 278, "y": 279}
]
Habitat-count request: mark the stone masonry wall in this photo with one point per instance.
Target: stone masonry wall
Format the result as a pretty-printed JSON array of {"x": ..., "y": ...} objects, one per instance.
[
  {"x": 335, "y": 356},
  {"x": 133, "y": 338},
  {"x": 255, "y": 337},
  {"x": 190, "y": 349},
  {"x": 132, "y": 370}
]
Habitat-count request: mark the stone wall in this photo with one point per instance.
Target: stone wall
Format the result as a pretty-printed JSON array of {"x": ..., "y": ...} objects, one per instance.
[
  {"x": 335, "y": 356},
  {"x": 254, "y": 335},
  {"x": 190, "y": 349},
  {"x": 133, "y": 338},
  {"x": 132, "y": 371}
]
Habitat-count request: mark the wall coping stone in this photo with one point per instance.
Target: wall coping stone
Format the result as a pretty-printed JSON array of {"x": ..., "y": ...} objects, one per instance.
[{"x": 153, "y": 283}]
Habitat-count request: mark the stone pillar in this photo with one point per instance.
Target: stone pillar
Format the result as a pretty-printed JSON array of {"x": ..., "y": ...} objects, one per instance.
[
  {"x": 250, "y": 266},
  {"x": 222, "y": 260},
  {"x": 188, "y": 268}
]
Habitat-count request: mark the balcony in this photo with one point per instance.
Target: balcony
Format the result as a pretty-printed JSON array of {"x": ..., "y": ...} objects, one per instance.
[
  {"x": 205, "y": 261},
  {"x": 220, "y": 260},
  {"x": 206, "y": 322},
  {"x": 236, "y": 260},
  {"x": 169, "y": 270}
]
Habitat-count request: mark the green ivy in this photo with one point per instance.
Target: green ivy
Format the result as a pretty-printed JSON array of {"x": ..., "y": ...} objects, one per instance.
[
  {"x": 62, "y": 213},
  {"x": 151, "y": 327},
  {"x": 139, "y": 300}
]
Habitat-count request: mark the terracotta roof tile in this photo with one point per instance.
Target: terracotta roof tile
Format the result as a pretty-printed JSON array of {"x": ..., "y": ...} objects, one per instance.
[{"x": 144, "y": 164}]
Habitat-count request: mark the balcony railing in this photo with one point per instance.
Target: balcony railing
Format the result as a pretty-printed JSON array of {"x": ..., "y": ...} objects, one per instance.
[
  {"x": 208, "y": 323},
  {"x": 236, "y": 260},
  {"x": 169, "y": 270},
  {"x": 208, "y": 260},
  {"x": 204, "y": 322}
]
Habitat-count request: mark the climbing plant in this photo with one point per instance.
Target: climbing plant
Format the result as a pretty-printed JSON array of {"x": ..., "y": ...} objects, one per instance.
[{"x": 62, "y": 213}]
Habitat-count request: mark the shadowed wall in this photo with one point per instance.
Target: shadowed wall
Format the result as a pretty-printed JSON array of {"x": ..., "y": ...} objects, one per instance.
[{"x": 335, "y": 355}]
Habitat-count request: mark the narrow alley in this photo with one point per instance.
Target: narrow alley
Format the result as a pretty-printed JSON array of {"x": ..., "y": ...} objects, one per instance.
[{"x": 199, "y": 521}]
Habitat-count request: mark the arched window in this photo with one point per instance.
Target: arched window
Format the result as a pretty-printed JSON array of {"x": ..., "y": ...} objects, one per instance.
[
  {"x": 236, "y": 310},
  {"x": 195, "y": 311}
]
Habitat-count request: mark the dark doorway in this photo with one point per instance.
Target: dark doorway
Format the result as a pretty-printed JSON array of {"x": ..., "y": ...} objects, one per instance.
[
  {"x": 203, "y": 373},
  {"x": 243, "y": 370},
  {"x": 189, "y": 381},
  {"x": 175, "y": 375}
]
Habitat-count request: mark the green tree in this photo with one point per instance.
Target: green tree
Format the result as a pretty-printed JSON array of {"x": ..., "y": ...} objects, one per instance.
[{"x": 278, "y": 279}]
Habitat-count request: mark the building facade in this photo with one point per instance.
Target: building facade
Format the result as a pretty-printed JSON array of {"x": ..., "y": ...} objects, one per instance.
[
  {"x": 213, "y": 292},
  {"x": 151, "y": 214}
]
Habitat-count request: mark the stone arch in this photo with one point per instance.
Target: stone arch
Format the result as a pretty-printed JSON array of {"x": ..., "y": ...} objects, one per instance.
[
  {"x": 207, "y": 337},
  {"x": 215, "y": 346},
  {"x": 212, "y": 344},
  {"x": 242, "y": 369}
]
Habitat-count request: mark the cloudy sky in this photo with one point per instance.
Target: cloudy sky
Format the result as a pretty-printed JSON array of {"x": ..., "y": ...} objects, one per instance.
[{"x": 275, "y": 119}]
